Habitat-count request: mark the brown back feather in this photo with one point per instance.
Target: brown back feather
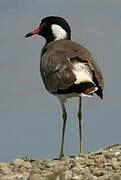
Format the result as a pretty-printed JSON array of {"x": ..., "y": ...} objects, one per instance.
[{"x": 61, "y": 50}]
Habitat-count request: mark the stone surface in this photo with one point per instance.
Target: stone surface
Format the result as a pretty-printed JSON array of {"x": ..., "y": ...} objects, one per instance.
[
  {"x": 18, "y": 162},
  {"x": 104, "y": 164}
]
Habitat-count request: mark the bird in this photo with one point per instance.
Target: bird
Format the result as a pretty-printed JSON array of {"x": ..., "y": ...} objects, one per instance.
[{"x": 67, "y": 68}]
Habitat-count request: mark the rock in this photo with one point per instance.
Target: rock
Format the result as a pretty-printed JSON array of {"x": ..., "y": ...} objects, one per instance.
[
  {"x": 66, "y": 175},
  {"x": 6, "y": 170},
  {"x": 108, "y": 155},
  {"x": 105, "y": 177},
  {"x": 13, "y": 176},
  {"x": 18, "y": 162},
  {"x": 85, "y": 171},
  {"x": 75, "y": 170},
  {"x": 23, "y": 169},
  {"x": 116, "y": 177},
  {"x": 4, "y": 164},
  {"x": 36, "y": 177},
  {"x": 90, "y": 162},
  {"x": 51, "y": 164},
  {"x": 115, "y": 164},
  {"x": 27, "y": 164},
  {"x": 98, "y": 172},
  {"x": 36, "y": 170},
  {"x": 119, "y": 158},
  {"x": 77, "y": 177},
  {"x": 60, "y": 168},
  {"x": 104, "y": 164},
  {"x": 117, "y": 153},
  {"x": 99, "y": 163}
]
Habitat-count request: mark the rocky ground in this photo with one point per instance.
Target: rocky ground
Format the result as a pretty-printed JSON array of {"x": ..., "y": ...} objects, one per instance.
[{"x": 104, "y": 164}]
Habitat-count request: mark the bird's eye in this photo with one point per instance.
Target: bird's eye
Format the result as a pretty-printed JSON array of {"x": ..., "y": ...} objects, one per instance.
[
  {"x": 45, "y": 25},
  {"x": 42, "y": 25}
]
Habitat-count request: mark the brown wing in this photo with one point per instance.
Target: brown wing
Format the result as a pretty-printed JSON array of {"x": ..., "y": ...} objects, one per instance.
[
  {"x": 56, "y": 71},
  {"x": 57, "y": 65},
  {"x": 84, "y": 55}
]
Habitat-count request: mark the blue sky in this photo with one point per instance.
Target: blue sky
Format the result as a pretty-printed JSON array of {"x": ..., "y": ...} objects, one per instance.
[{"x": 30, "y": 117}]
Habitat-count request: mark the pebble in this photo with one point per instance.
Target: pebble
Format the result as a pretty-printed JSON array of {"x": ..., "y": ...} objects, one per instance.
[
  {"x": 104, "y": 164},
  {"x": 119, "y": 158},
  {"x": 18, "y": 162},
  {"x": 90, "y": 162},
  {"x": 117, "y": 153},
  {"x": 85, "y": 171},
  {"x": 116, "y": 177},
  {"x": 51, "y": 164},
  {"x": 36, "y": 177},
  {"x": 98, "y": 172},
  {"x": 99, "y": 163},
  {"x": 66, "y": 175},
  {"x": 6, "y": 170},
  {"x": 4, "y": 164},
  {"x": 76, "y": 177},
  {"x": 27, "y": 164},
  {"x": 76, "y": 170}
]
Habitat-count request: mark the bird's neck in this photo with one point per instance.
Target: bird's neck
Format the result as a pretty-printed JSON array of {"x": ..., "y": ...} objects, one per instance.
[
  {"x": 51, "y": 39},
  {"x": 57, "y": 33}
]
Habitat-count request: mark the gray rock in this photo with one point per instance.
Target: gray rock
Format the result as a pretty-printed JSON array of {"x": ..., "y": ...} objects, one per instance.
[
  {"x": 59, "y": 169},
  {"x": 115, "y": 164},
  {"x": 116, "y": 177},
  {"x": 85, "y": 171},
  {"x": 27, "y": 164},
  {"x": 17, "y": 176},
  {"x": 98, "y": 172},
  {"x": 18, "y": 162},
  {"x": 77, "y": 177},
  {"x": 105, "y": 177},
  {"x": 6, "y": 170},
  {"x": 75, "y": 170},
  {"x": 36, "y": 177},
  {"x": 92, "y": 177},
  {"x": 90, "y": 162},
  {"x": 66, "y": 175},
  {"x": 51, "y": 164}
]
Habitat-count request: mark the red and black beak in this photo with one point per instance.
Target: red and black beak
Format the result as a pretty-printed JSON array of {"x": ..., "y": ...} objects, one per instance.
[{"x": 33, "y": 32}]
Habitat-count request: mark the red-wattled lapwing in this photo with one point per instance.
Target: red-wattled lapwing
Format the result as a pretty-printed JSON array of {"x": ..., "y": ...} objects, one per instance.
[{"x": 67, "y": 68}]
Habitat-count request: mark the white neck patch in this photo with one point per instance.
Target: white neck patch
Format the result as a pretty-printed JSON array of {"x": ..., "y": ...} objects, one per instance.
[{"x": 58, "y": 32}]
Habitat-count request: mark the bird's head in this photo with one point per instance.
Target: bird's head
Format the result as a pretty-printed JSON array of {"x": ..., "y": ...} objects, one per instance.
[{"x": 52, "y": 28}]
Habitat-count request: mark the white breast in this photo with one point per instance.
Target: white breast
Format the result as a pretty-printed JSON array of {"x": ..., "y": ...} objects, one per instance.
[{"x": 83, "y": 73}]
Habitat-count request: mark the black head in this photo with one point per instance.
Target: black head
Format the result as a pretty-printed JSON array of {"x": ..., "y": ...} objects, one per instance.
[{"x": 52, "y": 28}]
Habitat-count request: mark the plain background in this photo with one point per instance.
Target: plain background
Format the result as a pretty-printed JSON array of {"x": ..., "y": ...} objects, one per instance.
[{"x": 30, "y": 118}]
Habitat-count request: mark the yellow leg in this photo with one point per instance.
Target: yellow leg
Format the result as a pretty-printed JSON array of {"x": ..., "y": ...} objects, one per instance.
[
  {"x": 80, "y": 125},
  {"x": 63, "y": 130}
]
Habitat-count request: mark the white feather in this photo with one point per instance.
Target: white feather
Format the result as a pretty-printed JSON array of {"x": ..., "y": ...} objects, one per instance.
[
  {"x": 83, "y": 73},
  {"x": 58, "y": 32}
]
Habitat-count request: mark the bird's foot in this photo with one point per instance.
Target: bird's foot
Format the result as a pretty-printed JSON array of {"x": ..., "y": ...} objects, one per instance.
[
  {"x": 81, "y": 150},
  {"x": 61, "y": 155}
]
